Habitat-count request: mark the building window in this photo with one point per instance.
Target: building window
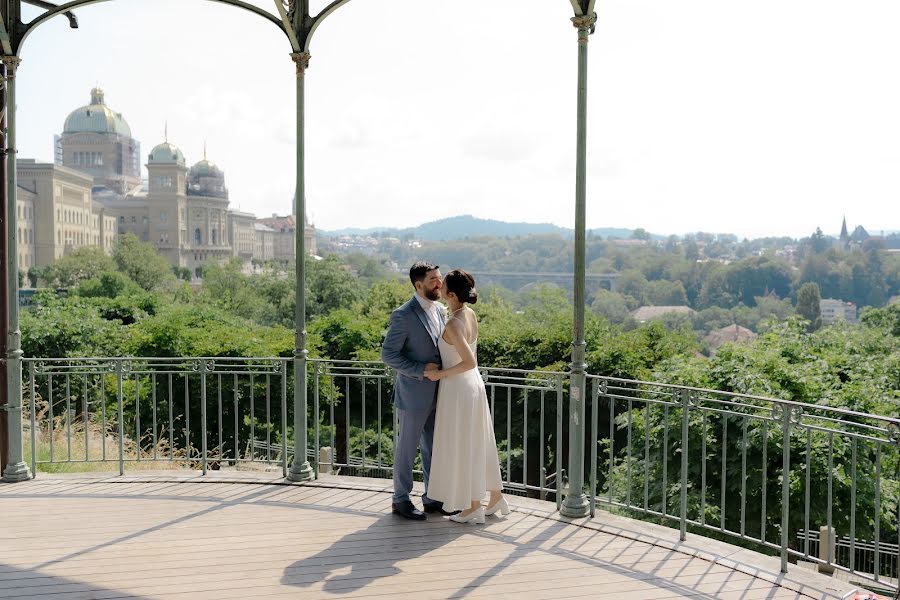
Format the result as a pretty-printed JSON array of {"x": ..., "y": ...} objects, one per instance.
[
  {"x": 163, "y": 217},
  {"x": 197, "y": 237},
  {"x": 214, "y": 237},
  {"x": 122, "y": 220},
  {"x": 133, "y": 219}
]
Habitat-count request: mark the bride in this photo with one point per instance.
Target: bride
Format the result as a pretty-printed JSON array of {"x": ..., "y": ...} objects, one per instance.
[{"x": 464, "y": 462}]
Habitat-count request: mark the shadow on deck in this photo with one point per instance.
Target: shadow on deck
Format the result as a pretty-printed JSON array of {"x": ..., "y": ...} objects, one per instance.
[{"x": 237, "y": 534}]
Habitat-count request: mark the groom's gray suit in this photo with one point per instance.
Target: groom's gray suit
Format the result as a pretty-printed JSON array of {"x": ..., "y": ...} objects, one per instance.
[{"x": 411, "y": 343}]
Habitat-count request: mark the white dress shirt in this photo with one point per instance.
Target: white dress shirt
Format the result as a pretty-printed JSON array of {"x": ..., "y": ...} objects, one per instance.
[{"x": 431, "y": 309}]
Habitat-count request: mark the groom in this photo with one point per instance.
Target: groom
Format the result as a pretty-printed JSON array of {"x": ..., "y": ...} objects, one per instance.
[{"x": 410, "y": 348}]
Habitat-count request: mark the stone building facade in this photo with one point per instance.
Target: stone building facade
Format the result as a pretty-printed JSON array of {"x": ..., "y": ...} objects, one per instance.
[{"x": 94, "y": 192}]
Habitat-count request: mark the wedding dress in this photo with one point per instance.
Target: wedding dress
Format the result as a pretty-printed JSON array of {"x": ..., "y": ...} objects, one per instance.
[{"x": 464, "y": 460}]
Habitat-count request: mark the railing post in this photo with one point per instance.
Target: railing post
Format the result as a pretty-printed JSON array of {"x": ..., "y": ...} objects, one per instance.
[
  {"x": 595, "y": 401},
  {"x": 685, "y": 427},
  {"x": 283, "y": 365},
  {"x": 204, "y": 369},
  {"x": 560, "y": 470},
  {"x": 785, "y": 482},
  {"x": 826, "y": 548},
  {"x": 120, "y": 410},
  {"x": 33, "y": 411}
]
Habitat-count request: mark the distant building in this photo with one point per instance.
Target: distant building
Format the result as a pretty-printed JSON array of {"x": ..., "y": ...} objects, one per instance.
[
  {"x": 730, "y": 334},
  {"x": 242, "y": 233},
  {"x": 97, "y": 141},
  {"x": 845, "y": 235},
  {"x": 855, "y": 239},
  {"x": 265, "y": 243},
  {"x": 647, "y": 313},
  {"x": 94, "y": 192},
  {"x": 837, "y": 310},
  {"x": 57, "y": 214},
  {"x": 284, "y": 229}
]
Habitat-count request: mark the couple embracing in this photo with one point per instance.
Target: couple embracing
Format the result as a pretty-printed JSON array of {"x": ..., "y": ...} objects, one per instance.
[{"x": 440, "y": 399}]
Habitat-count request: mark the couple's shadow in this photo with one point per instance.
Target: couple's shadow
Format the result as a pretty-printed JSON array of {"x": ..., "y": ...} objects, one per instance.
[{"x": 372, "y": 553}]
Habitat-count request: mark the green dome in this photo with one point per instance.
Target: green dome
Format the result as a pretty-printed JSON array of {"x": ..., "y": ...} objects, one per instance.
[
  {"x": 166, "y": 153},
  {"x": 96, "y": 117},
  {"x": 206, "y": 168}
]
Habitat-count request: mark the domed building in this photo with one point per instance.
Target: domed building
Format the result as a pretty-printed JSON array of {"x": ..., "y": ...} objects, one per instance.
[
  {"x": 97, "y": 140},
  {"x": 93, "y": 193},
  {"x": 182, "y": 211},
  {"x": 206, "y": 179}
]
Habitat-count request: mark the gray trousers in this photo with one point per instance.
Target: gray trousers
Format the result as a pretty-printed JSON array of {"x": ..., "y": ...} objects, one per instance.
[{"x": 416, "y": 432}]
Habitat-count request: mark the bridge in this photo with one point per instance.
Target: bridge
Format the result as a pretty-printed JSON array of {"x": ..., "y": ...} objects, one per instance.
[{"x": 516, "y": 280}]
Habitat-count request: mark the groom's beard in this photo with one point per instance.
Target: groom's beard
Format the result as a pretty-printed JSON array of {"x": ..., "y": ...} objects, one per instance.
[{"x": 433, "y": 295}]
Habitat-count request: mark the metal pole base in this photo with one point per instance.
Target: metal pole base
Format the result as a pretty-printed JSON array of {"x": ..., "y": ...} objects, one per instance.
[
  {"x": 575, "y": 506},
  {"x": 300, "y": 472},
  {"x": 15, "y": 473}
]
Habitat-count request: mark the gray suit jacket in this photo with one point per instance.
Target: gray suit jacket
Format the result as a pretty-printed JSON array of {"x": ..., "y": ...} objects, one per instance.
[{"x": 408, "y": 346}]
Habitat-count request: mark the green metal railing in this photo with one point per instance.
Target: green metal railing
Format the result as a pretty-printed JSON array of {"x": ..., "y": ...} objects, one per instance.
[
  {"x": 738, "y": 467},
  {"x": 702, "y": 458}
]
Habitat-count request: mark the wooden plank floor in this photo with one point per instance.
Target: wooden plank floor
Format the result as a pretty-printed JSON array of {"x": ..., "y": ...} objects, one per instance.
[{"x": 82, "y": 538}]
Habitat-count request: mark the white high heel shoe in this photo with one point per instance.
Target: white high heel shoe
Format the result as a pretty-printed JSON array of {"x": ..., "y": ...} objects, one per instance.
[
  {"x": 476, "y": 516},
  {"x": 500, "y": 505}
]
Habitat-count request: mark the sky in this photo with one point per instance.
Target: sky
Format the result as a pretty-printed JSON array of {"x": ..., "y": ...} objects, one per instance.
[{"x": 755, "y": 118}]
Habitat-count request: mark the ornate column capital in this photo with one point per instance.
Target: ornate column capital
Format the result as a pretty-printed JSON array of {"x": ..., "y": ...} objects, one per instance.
[
  {"x": 11, "y": 63},
  {"x": 302, "y": 61},
  {"x": 585, "y": 25}
]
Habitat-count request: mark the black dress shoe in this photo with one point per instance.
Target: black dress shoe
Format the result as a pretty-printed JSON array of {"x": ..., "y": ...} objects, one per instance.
[
  {"x": 433, "y": 507},
  {"x": 407, "y": 510}
]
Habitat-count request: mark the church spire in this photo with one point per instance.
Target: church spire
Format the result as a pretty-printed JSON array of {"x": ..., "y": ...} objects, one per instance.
[{"x": 845, "y": 235}]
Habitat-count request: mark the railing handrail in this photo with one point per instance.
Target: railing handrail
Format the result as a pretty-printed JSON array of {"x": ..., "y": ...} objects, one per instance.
[
  {"x": 790, "y": 403},
  {"x": 672, "y": 386}
]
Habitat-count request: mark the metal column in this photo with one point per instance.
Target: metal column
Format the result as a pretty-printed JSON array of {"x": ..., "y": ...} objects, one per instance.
[
  {"x": 15, "y": 468},
  {"x": 300, "y": 469},
  {"x": 576, "y": 502}
]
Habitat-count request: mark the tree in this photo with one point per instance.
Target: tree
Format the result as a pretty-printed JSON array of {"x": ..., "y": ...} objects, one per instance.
[
  {"x": 758, "y": 276},
  {"x": 140, "y": 262},
  {"x": 665, "y": 293},
  {"x": 818, "y": 242},
  {"x": 610, "y": 305},
  {"x": 77, "y": 266},
  {"x": 640, "y": 234},
  {"x": 330, "y": 286},
  {"x": 808, "y": 305},
  {"x": 110, "y": 284}
]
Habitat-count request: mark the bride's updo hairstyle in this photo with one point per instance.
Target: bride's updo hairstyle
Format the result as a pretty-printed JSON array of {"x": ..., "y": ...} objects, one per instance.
[{"x": 462, "y": 284}]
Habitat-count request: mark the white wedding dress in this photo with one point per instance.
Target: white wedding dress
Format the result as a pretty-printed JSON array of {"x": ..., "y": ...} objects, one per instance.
[{"x": 464, "y": 460}]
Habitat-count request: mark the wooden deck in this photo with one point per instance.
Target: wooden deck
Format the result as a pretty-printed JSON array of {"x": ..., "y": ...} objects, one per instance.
[{"x": 179, "y": 535}]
